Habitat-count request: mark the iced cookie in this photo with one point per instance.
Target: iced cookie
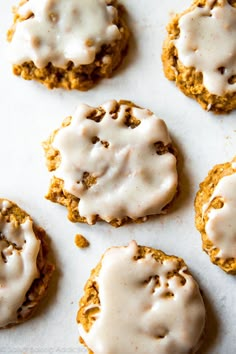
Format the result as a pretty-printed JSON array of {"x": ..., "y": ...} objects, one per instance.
[
  {"x": 67, "y": 43},
  {"x": 24, "y": 268},
  {"x": 215, "y": 207},
  {"x": 199, "y": 53},
  {"x": 114, "y": 163},
  {"x": 140, "y": 299}
]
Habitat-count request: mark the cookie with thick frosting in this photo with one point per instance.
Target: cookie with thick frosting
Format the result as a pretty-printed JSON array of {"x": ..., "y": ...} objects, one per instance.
[
  {"x": 67, "y": 43},
  {"x": 215, "y": 207},
  {"x": 24, "y": 267},
  {"x": 199, "y": 54},
  {"x": 114, "y": 163},
  {"x": 140, "y": 299}
]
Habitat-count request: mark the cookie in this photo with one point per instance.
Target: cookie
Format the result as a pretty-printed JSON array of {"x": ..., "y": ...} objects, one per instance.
[
  {"x": 81, "y": 241},
  {"x": 114, "y": 163},
  {"x": 67, "y": 44},
  {"x": 215, "y": 207},
  {"x": 24, "y": 268},
  {"x": 140, "y": 299},
  {"x": 199, "y": 54}
]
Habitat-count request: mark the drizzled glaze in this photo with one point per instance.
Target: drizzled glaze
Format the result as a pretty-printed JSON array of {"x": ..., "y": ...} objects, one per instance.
[
  {"x": 221, "y": 224},
  {"x": 131, "y": 178},
  {"x": 136, "y": 311},
  {"x": 19, "y": 249},
  {"x": 62, "y": 31},
  {"x": 207, "y": 43}
]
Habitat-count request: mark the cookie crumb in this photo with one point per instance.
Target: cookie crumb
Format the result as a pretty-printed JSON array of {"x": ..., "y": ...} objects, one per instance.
[{"x": 81, "y": 241}]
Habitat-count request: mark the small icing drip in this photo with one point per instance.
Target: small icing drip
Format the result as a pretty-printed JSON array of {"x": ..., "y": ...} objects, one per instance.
[
  {"x": 63, "y": 31},
  {"x": 221, "y": 225},
  {"x": 207, "y": 43},
  {"x": 5, "y": 204},
  {"x": 142, "y": 309},
  {"x": 19, "y": 249},
  {"x": 131, "y": 178}
]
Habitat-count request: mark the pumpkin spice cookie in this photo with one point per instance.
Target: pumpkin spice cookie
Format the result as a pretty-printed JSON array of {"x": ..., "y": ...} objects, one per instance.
[
  {"x": 24, "y": 268},
  {"x": 114, "y": 163},
  {"x": 67, "y": 44},
  {"x": 215, "y": 207},
  {"x": 199, "y": 54},
  {"x": 140, "y": 299}
]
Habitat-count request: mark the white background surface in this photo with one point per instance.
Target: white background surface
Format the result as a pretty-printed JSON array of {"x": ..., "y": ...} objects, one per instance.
[{"x": 29, "y": 112}]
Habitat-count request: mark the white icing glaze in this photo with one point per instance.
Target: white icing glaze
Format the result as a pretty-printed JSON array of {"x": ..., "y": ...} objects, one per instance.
[
  {"x": 5, "y": 204},
  {"x": 137, "y": 315},
  {"x": 207, "y": 43},
  {"x": 221, "y": 225},
  {"x": 18, "y": 266},
  {"x": 132, "y": 180},
  {"x": 62, "y": 31}
]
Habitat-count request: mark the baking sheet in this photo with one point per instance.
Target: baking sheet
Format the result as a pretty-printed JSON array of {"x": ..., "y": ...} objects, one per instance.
[{"x": 29, "y": 112}]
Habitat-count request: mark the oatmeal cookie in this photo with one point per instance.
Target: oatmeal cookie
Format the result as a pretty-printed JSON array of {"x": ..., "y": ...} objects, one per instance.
[
  {"x": 24, "y": 268},
  {"x": 199, "y": 54},
  {"x": 215, "y": 207},
  {"x": 140, "y": 299},
  {"x": 67, "y": 44},
  {"x": 114, "y": 163}
]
